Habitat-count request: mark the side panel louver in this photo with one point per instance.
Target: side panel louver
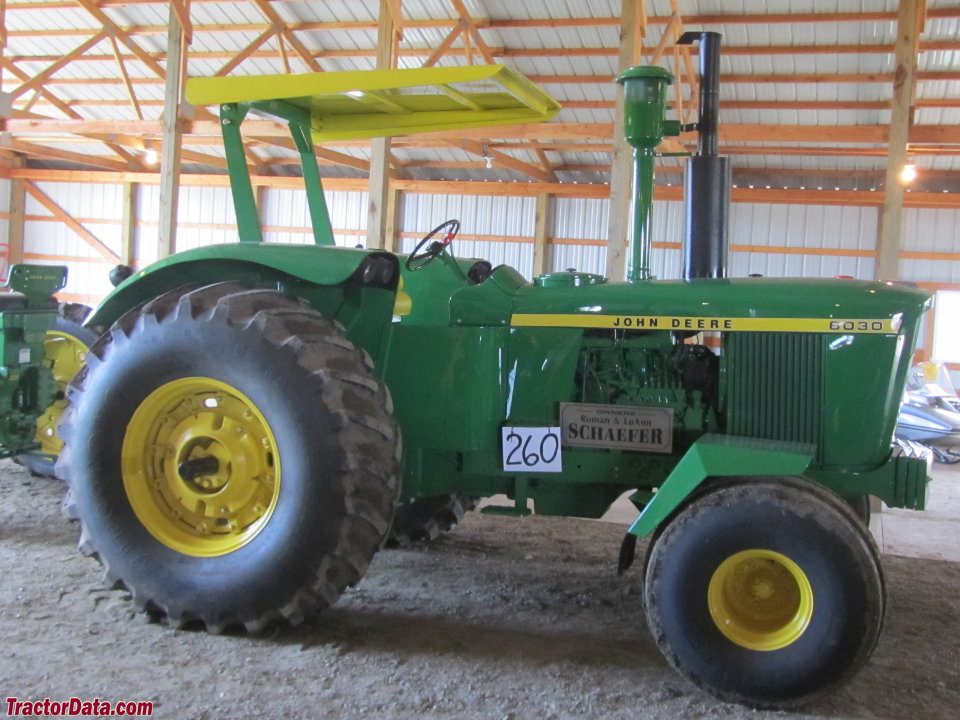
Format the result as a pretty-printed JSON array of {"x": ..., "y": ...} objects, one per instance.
[{"x": 774, "y": 384}]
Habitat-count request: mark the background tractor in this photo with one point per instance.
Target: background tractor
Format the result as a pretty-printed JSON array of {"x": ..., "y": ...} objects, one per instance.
[{"x": 233, "y": 440}]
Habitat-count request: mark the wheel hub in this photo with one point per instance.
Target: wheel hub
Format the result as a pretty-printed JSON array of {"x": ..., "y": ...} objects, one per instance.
[
  {"x": 64, "y": 354},
  {"x": 200, "y": 467},
  {"x": 760, "y": 599}
]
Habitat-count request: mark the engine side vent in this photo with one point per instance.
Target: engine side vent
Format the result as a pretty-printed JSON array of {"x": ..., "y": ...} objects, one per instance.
[{"x": 774, "y": 386}]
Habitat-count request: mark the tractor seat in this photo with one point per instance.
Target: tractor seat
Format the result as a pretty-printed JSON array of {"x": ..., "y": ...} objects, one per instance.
[{"x": 479, "y": 271}]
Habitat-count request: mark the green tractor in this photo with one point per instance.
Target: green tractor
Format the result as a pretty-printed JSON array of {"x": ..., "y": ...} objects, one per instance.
[{"x": 233, "y": 440}]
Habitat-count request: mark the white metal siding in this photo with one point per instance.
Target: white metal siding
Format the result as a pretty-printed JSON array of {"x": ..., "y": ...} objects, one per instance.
[
  {"x": 931, "y": 230},
  {"x": 502, "y": 217},
  {"x": 497, "y": 228},
  {"x": 99, "y": 209},
  {"x": 808, "y": 227},
  {"x": 286, "y": 210}
]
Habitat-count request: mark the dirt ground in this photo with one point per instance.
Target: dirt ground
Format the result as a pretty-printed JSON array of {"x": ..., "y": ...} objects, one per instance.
[{"x": 502, "y": 619}]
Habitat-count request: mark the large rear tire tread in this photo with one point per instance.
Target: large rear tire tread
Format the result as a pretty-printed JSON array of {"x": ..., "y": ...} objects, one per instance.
[{"x": 333, "y": 374}]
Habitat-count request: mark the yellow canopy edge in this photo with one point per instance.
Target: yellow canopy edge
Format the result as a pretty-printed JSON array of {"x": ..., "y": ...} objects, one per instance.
[{"x": 379, "y": 103}]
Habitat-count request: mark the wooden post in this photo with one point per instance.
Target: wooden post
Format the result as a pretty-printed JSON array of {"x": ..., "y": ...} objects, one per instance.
[
  {"x": 128, "y": 232},
  {"x": 901, "y": 120},
  {"x": 631, "y": 35},
  {"x": 541, "y": 263},
  {"x": 18, "y": 199},
  {"x": 172, "y": 133},
  {"x": 378, "y": 213}
]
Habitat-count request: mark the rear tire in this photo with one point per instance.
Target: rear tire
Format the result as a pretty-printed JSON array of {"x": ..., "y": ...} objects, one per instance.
[
  {"x": 767, "y": 593},
  {"x": 425, "y": 519},
  {"x": 64, "y": 352},
  {"x": 232, "y": 458}
]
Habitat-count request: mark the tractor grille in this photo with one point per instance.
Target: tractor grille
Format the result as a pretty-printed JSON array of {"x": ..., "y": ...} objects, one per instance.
[{"x": 774, "y": 384}]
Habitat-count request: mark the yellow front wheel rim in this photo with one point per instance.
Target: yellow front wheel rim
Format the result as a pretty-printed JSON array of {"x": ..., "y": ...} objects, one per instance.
[
  {"x": 200, "y": 467},
  {"x": 760, "y": 600},
  {"x": 64, "y": 354}
]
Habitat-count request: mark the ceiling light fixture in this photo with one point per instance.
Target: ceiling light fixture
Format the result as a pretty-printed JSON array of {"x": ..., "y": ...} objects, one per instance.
[
  {"x": 487, "y": 157},
  {"x": 908, "y": 173}
]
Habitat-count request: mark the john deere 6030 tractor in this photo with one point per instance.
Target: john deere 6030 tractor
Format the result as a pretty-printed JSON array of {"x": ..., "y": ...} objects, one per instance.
[{"x": 233, "y": 441}]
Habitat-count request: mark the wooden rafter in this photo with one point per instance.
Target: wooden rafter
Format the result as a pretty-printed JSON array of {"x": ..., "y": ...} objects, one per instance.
[
  {"x": 245, "y": 52},
  {"x": 282, "y": 28},
  {"x": 493, "y": 24},
  {"x": 445, "y": 46},
  {"x": 41, "y": 77},
  {"x": 45, "y": 151},
  {"x": 609, "y": 104},
  {"x": 113, "y": 29},
  {"x": 604, "y": 80},
  {"x": 505, "y": 52},
  {"x": 283, "y": 54},
  {"x": 126, "y": 79},
  {"x": 472, "y": 32},
  {"x": 555, "y": 131},
  {"x": 64, "y": 217},
  {"x": 181, "y": 8},
  {"x": 501, "y": 159}
]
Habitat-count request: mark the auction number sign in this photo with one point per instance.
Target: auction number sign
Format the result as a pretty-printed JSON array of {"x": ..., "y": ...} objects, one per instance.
[{"x": 531, "y": 449}]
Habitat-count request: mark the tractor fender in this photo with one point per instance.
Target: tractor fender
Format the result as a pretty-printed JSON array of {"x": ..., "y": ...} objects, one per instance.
[
  {"x": 254, "y": 264},
  {"x": 721, "y": 456}
]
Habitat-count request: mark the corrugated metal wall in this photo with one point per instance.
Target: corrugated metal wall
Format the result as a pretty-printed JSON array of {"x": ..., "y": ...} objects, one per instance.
[
  {"x": 772, "y": 240},
  {"x": 98, "y": 207},
  {"x": 286, "y": 218},
  {"x": 507, "y": 221},
  {"x": 802, "y": 240},
  {"x": 928, "y": 231}
]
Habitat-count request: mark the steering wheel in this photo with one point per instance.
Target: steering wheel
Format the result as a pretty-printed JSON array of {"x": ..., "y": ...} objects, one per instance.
[{"x": 449, "y": 231}]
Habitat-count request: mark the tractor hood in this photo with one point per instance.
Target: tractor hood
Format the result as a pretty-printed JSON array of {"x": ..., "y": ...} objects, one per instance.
[{"x": 722, "y": 305}]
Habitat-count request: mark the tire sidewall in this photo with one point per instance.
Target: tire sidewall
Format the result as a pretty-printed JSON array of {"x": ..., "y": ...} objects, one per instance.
[
  {"x": 271, "y": 563},
  {"x": 847, "y": 607}
]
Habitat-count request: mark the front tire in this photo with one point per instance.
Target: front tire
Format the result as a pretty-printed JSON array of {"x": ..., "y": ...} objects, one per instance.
[
  {"x": 232, "y": 458},
  {"x": 767, "y": 593}
]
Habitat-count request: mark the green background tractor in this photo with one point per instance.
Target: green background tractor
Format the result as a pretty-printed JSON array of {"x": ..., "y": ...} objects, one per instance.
[{"x": 233, "y": 441}]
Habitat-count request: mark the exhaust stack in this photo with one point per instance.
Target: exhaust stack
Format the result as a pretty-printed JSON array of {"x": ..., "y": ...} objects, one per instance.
[{"x": 707, "y": 177}]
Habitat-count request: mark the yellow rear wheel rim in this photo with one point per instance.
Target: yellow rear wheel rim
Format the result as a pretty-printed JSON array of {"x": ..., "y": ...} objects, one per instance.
[
  {"x": 200, "y": 467},
  {"x": 760, "y": 600},
  {"x": 64, "y": 354}
]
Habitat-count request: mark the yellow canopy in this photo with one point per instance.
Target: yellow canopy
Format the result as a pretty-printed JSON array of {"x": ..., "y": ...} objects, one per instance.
[{"x": 378, "y": 103}]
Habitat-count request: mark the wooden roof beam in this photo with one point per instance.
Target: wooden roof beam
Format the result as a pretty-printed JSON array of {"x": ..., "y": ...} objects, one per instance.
[
  {"x": 472, "y": 32},
  {"x": 126, "y": 79},
  {"x": 502, "y": 159},
  {"x": 43, "y": 90},
  {"x": 50, "y": 153},
  {"x": 281, "y": 27},
  {"x": 113, "y": 29},
  {"x": 609, "y": 104},
  {"x": 245, "y": 52},
  {"x": 501, "y": 52},
  {"x": 40, "y": 78},
  {"x": 601, "y": 80},
  {"x": 724, "y": 19},
  {"x": 64, "y": 217}
]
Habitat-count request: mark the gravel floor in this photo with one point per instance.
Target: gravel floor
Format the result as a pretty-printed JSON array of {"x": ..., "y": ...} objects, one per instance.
[{"x": 501, "y": 619}]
